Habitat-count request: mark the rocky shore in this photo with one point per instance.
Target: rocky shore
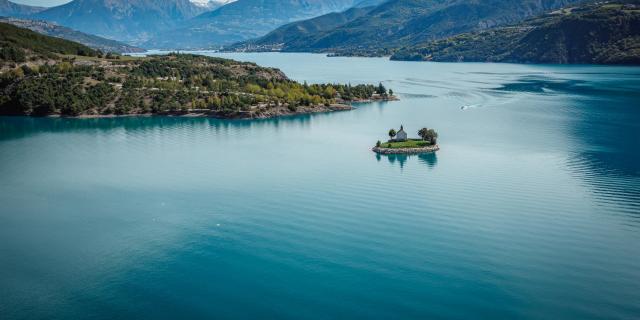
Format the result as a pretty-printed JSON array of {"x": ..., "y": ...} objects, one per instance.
[
  {"x": 266, "y": 113},
  {"x": 375, "y": 98},
  {"x": 426, "y": 149},
  {"x": 254, "y": 113}
]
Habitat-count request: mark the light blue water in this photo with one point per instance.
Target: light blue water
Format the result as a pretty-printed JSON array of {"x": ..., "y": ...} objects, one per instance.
[{"x": 531, "y": 210}]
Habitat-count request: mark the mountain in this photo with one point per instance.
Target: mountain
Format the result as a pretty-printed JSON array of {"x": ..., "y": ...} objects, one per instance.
[
  {"x": 600, "y": 33},
  {"x": 50, "y": 29},
  {"x": 10, "y": 9},
  {"x": 211, "y": 4},
  {"x": 243, "y": 19},
  {"x": 128, "y": 20},
  {"x": 292, "y": 33},
  {"x": 295, "y": 32},
  {"x": 398, "y": 23}
]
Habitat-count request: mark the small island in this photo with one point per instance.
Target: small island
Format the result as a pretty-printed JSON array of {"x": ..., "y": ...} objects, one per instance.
[{"x": 399, "y": 143}]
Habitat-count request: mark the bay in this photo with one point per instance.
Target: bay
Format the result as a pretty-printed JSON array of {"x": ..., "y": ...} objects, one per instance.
[{"x": 530, "y": 210}]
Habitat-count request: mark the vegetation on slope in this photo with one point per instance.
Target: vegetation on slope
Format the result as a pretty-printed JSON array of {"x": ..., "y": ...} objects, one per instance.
[
  {"x": 35, "y": 81},
  {"x": 600, "y": 33},
  {"x": 18, "y": 43},
  {"x": 126, "y": 20},
  {"x": 295, "y": 33},
  {"x": 400, "y": 23},
  {"x": 89, "y": 40}
]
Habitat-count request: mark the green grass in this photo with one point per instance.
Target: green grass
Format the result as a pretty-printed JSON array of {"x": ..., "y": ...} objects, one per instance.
[{"x": 412, "y": 143}]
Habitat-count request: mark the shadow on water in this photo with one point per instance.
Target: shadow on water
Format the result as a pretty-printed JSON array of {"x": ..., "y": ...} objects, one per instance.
[
  {"x": 603, "y": 121},
  {"x": 608, "y": 157},
  {"x": 428, "y": 159},
  {"x": 22, "y": 127},
  {"x": 539, "y": 84}
]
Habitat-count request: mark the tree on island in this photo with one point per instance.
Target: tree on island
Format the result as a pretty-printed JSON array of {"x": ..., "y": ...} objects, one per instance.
[
  {"x": 428, "y": 135},
  {"x": 381, "y": 90},
  {"x": 392, "y": 133},
  {"x": 391, "y": 92}
]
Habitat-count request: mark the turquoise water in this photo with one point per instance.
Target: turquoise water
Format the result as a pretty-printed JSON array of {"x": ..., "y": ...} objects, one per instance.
[{"x": 531, "y": 210}]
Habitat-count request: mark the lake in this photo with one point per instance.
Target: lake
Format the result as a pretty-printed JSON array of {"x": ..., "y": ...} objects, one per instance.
[{"x": 530, "y": 210}]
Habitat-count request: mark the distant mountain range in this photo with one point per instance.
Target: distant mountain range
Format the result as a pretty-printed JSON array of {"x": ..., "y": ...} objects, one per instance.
[
  {"x": 211, "y": 4},
  {"x": 92, "y": 41},
  {"x": 553, "y": 31},
  {"x": 601, "y": 33},
  {"x": 133, "y": 21},
  {"x": 399, "y": 23},
  {"x": 179, "y": 24},
  {"x": 243, "y": 19},
  {"x": 295, "y": 34},
  {"x": 10, "y": 9}
]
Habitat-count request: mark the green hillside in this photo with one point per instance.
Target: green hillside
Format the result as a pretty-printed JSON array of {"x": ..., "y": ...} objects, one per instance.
[
  {"x": 602, "y": 33},
  {"x": 18, "y": 44},
  {"x": 399, "y": 23},
  {"x": 42, "y": 75},
  {"x": 54, "y": 30}
]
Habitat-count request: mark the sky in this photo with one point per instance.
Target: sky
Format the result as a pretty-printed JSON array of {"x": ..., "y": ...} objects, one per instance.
[{"x": 42, "y": 3}]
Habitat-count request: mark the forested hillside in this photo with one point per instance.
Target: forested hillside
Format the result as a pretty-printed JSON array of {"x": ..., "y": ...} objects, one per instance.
[
  {"x": 41, "y": 75},
  {"x": 18, "y": 44},
  {"x": 54, "y": 30},
  {"x": 602, "y": 33},
  {"x": 400, "y": 23}
]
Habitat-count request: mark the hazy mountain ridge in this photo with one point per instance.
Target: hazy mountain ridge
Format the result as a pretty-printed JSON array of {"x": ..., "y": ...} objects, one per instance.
[
  {"x": 211, "y": 4},
  {"x": 92, "y": 41},
  {"x": 299, "y": 31},
  {"x": 11, "y": 9},
  {"x": 126, "y": 20},
  {"x": 599, "y": 34},
  {"x": 399, "y": 23},
  {"x": 243, "y": 19}
]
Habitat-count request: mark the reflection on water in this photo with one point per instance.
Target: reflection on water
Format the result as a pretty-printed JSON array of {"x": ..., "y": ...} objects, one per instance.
[
  {"x": 21, "y": 127},
  {"x": 605, "y": 122},
  {"x": 553, "y": 85},
  {"x": 429, "y": 159}
]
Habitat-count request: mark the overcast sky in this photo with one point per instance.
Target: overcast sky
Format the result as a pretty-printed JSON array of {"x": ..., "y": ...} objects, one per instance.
[{"x": 42, "y": 3}]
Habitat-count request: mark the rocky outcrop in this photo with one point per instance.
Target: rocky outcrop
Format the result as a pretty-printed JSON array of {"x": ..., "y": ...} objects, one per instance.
[
  {"x": 265, "y": 113},
  {"x": 426, "y": 149}
]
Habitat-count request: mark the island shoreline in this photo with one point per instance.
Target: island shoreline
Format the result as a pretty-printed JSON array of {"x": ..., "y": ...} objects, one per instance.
[{"x": 427, "y": 149}]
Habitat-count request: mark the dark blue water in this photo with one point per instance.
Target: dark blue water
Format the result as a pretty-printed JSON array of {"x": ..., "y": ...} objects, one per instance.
[{"x": 531, "y": 210}]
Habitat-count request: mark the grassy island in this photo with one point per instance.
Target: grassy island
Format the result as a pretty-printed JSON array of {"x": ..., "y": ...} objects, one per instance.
[
  {"x": 43, "y": 76},
  {"x": 399, "y": 143},
  {"x": 410, "y": 143}
]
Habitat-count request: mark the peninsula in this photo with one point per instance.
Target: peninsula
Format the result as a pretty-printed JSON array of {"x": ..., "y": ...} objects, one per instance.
[
  {"x": 399, "y": 143},
  {"x": 46, "y": 76}
]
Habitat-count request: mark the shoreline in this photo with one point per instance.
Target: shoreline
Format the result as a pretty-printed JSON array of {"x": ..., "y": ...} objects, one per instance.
[
  {"x": 426, "y": 149},
  {"x": 232, "y": 115},
  {"x": 255, "y": 113}
]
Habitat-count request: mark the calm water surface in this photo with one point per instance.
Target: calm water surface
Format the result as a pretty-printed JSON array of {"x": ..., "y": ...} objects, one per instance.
[{"x": 531, "y": 210}]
